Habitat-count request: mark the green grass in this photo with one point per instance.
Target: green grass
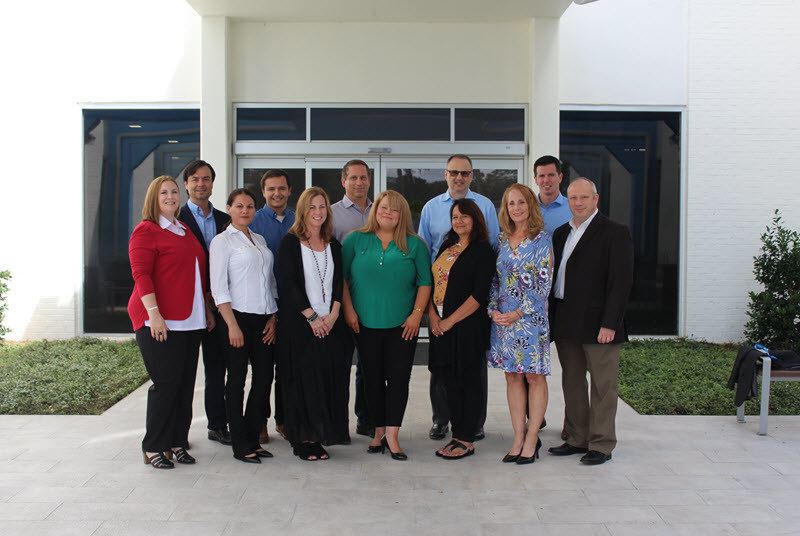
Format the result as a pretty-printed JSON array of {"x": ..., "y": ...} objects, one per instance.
[
  {"x": 683, "y": 377},
  {"x": 81, "y": 376}
]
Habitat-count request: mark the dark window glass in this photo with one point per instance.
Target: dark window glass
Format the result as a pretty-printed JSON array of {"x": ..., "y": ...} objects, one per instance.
[
  {"x": 381, "y": 124},
  {"x": 124, "y": 150},
  {"x": 634, "y": 157},
  {"x": 297, "y": 182},
  {"x": 490, "y": 124},
  {"x": 274, "y": 124}
]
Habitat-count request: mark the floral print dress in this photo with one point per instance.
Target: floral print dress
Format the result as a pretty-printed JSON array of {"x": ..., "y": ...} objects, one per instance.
[{"x": 522, "y": 281}]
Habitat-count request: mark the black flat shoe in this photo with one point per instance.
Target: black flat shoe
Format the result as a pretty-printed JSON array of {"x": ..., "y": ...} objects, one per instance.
[
  {"x": 438, "y": 431},
  {"x": 401, "y": 456},
  {"x": 595, "y": 457},
  {"x": 510, "y": 458},
  {"x": 566, "y": 450},
  {"x": 373, "y": 449},
  {"x": 158, "y": 461},
  {"x": 248, "y": 459},
  {"x": 263, "y": 453},
  {"x": 181, "y": 456}
]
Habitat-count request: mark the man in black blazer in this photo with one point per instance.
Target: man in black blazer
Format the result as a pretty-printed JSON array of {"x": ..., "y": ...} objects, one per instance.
[
  {"x": 593, "y": 257},
  {"x": 206, "y": 222}
]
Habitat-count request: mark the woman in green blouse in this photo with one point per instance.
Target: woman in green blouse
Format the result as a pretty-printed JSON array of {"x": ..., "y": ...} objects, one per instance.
[{"x": 388, "y": 273}]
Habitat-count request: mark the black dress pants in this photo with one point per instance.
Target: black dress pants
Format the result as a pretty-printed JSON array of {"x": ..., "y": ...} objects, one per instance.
[
  {"x": 172, "y": 366},
  {"x": 465, "y": 401},
  {"x": 214, "y": 367},
  {"x": 246, "y": 421},
  {"x": 442, "y": 414},
  {"x": 386, "y": 360}
]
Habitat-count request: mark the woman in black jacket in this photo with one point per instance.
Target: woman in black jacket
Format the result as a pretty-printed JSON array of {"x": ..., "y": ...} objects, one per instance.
[
  {"x": 314, "y": 373},
  {"x": 459, "y": 325}
]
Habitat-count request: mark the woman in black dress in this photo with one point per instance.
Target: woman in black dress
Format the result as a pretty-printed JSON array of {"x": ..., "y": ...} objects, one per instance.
[
  {"x": 462, "y": 276},
  {"x": 314, "y": 372}
]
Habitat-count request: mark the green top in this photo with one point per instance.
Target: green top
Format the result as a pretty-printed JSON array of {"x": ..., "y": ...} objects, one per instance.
[{"x": 383, "y": 284}]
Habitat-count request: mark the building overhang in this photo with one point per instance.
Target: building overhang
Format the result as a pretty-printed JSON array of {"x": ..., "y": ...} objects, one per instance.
[{"x": 380, "y": 10}]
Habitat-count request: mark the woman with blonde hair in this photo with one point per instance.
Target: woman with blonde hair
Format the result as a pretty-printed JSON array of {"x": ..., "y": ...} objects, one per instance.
[
  {"x": 387, "y": 268},
  {"x": 168, "y": 312},
  {"x": 520, "y": 336},
  {"x": 314, "y": 372}
]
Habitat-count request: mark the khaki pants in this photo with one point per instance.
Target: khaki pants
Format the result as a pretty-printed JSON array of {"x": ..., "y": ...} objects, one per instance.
[{"x": 590, "y": 421}]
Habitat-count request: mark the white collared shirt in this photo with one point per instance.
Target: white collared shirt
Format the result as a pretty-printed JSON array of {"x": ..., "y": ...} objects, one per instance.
[
  {"x": 241, "y": 272},
  {"x": 196, "y": 320},
  {"x": 569, "y": 246},
  {"x": 318, "y": 272}
]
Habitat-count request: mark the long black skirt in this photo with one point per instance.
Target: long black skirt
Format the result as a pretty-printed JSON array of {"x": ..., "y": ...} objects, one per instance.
[{"x": 315, "y": 378}]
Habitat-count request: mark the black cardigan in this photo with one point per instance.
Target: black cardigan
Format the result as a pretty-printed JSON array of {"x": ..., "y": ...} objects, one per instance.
[
  {"x": 464, "y": 345},
  {"x": 293, "y": 298}
]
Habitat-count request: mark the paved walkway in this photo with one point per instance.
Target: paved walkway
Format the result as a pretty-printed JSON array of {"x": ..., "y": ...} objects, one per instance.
[{"x": 75, "y": 475}]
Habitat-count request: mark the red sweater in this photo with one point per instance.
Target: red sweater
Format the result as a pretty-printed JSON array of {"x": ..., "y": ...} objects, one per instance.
[{"x": 164, "y": 263}]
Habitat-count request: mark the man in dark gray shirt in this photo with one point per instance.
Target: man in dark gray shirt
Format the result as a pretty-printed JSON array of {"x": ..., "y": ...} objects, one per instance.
[{"x": 348, "y": 214}]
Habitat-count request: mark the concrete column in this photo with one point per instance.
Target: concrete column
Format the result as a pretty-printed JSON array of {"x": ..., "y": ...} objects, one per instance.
[
  {"x": 544, "y": 99},
  {"x": 215, "y": 107}
]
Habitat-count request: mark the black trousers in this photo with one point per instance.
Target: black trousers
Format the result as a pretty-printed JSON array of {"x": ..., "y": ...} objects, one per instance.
[
  {"x": 172, "y": 366},
  {"x": 465, "y": 401},
  {"x": 386, "y": 360},
  {"x": 362, "y": 414},
  {"x": 442, "y": 414},
  {"x": 245, "y": 421},
  {"x": 214, "y": 367}
]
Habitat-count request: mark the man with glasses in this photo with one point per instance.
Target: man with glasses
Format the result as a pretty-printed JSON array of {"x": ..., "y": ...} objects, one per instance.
[{"x": 434, "y": 224}]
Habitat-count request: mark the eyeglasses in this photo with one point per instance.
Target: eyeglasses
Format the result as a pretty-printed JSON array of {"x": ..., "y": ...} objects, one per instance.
[{"x": 456, "y": 173}]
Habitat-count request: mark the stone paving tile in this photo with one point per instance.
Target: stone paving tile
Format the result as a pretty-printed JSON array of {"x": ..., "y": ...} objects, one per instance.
[
  {"x": 684, "y": 482},
  {"x": 210, "y": 510},
  {"x": 545, "y": 529},
  {"x": 769, "y": 482},
  {"x": 687, "y": 529},
  {"x": 150, "y": 494},
  {"x": 162, "y": 528},
  {"x": 50, "y": 528},
  {"x": 640, "y": 497},
  {"x": 7, "y": 492},
  {"x": 762, "y": 529},
  {"x": 46, "y": 479},
  {"x": 343, "y": 515},
  {"x": 71, "y": 495},
  {"x": 112, "y": 511},
  {"x": 598, "y": 514},
  {"x": 152, "y": 477},
  {"x": 748, "y": 497},
  {"x": 25, "y": 511},
  {"x": 716, "y": 514}
]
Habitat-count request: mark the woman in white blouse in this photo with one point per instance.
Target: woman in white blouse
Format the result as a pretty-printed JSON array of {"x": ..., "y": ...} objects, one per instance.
[
  {"x": 244, "y": 289},
  {"x": 314, "y": 373}
]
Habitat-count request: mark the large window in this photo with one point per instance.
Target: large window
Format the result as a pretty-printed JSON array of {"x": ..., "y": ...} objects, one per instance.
[
  {"x": 123, "y": 151},
  {"x": 634, "y": 157}
]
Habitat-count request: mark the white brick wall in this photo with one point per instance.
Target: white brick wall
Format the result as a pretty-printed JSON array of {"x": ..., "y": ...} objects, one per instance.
[{"x": 743, "y": 141}]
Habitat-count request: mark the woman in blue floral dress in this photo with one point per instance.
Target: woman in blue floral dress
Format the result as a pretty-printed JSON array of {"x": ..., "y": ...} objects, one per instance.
[{"x": 520, "y": 337}]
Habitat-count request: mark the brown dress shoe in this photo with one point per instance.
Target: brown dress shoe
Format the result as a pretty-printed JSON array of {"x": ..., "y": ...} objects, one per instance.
[
  {"x": 281, "y": 429},
  {"x": 263, "y": 437}
]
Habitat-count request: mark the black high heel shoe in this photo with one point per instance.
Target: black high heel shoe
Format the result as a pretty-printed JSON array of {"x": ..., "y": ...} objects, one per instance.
[
  {"x": 524, "y": 460},
  {"x": 373, "y": 449},
  {"x": 401, "y": 456}
]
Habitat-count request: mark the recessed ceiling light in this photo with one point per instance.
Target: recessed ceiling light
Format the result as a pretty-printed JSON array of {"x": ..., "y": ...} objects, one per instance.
[
  {"x": 172, "y": 141},
  {"x": 135, "y": 126}
]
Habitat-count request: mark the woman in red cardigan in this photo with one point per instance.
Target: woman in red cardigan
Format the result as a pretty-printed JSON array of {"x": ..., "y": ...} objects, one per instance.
[{"x": 168, "y": 312}]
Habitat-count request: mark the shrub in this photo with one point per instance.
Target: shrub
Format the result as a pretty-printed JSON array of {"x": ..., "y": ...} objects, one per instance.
[
  {"x": 81, "y": 376},
  {"x": 775, "y": 312},
  {"x": 4, "y": 276}
]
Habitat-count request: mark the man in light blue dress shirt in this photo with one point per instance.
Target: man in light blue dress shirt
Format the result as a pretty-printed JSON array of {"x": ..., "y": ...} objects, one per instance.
[
  {"x": 434, "y": 223},
  {"x": 273, "y": 222},
  {"x": 553, "y": 204}
]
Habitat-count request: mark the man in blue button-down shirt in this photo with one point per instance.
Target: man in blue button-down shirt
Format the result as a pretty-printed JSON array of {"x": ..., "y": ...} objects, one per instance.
[
  {"x": 553, "y": 204},
  {"x": 273, "y": 222},
  {"x": 206, "y": 222},
  {"x": 434, "y": 223}
]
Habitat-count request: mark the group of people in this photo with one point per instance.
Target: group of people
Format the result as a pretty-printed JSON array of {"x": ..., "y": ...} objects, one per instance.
[{"x": 292, "y": 294}]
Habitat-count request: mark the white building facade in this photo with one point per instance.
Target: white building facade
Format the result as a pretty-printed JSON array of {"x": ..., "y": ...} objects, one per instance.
[{"x": 712, "y": 82}]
